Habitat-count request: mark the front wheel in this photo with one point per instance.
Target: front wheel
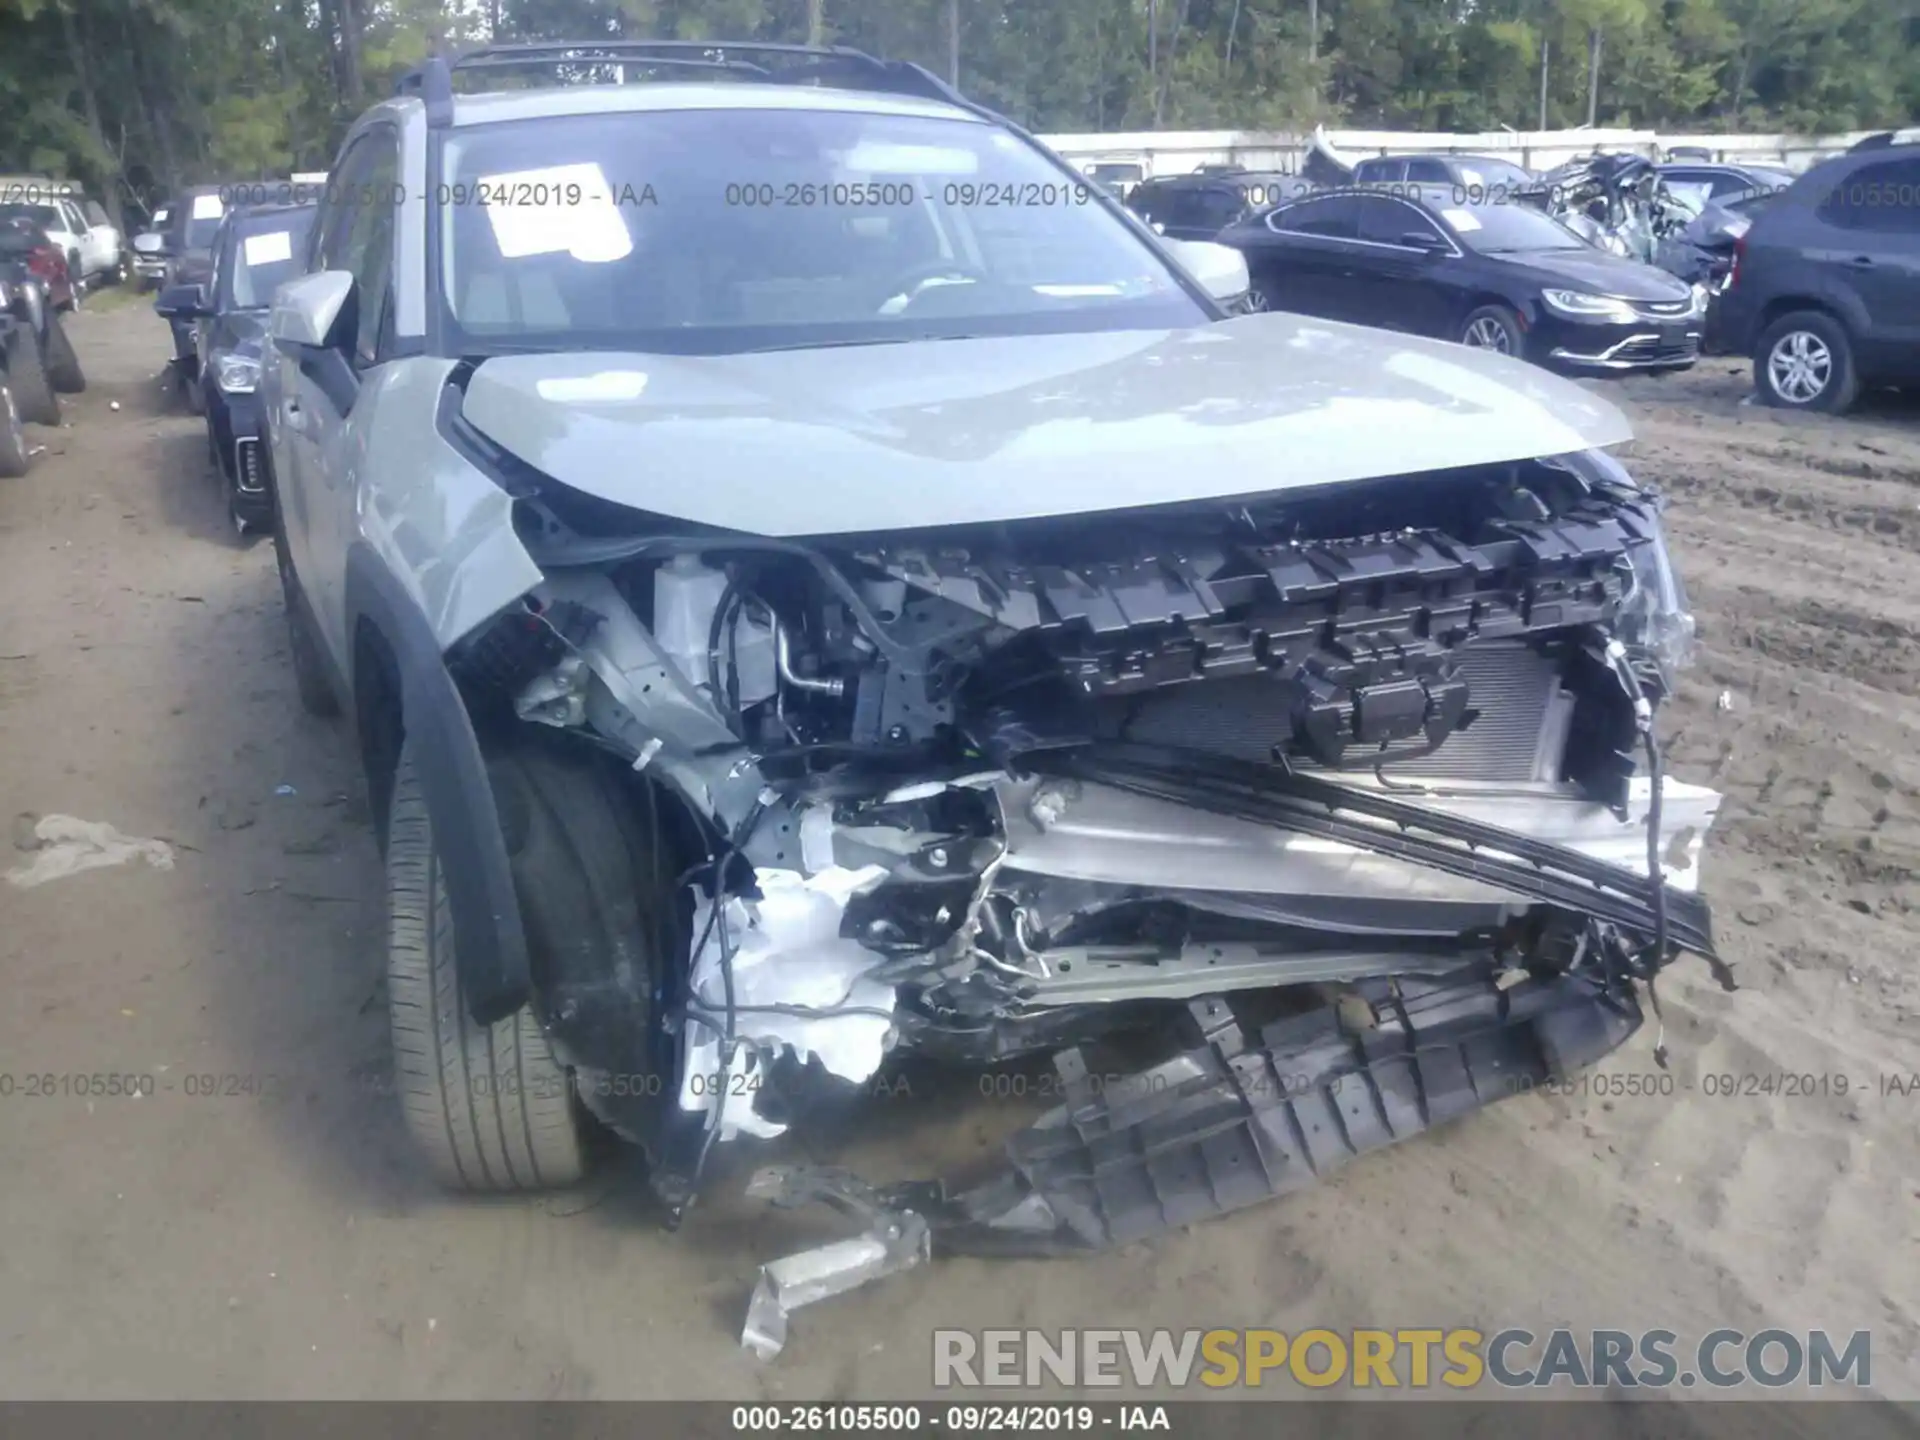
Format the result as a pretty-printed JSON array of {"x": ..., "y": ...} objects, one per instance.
[
  {"x": 13, "y": 435},
  {"x": 488, "y": 1106},
  {"x": 32, "y": 391},
  {"x": 1805, "y": 362},
  {"x": 1495, "y": 328},
  {"x": 63, "y": 365}
]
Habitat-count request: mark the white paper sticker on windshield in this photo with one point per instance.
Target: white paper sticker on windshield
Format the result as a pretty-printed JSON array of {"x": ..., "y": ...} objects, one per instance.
[
  {"x": 881, "y": 158},
  {"x": 1462, "y": 220},
  {"x": 267, "y": 248},
  {"x": 208, "y": 207},
  {"x": 562, "y": 210},
  {"x": 159, "y": 218}
]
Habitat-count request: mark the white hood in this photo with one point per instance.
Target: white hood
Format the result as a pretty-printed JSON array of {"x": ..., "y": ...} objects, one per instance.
[{"x": 955, "y": 432}]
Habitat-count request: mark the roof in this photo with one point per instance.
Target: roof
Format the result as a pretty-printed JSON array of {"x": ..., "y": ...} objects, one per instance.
[{"x": 494, "y": 106}]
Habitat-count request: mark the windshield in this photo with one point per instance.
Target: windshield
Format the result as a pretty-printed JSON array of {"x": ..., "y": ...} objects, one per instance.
[
  {"x": 45, "y": 216},
  {"x": 1504, "y": 228},
  {"x": 720, "y": 232},
  {"x": 264, "y": 258}
]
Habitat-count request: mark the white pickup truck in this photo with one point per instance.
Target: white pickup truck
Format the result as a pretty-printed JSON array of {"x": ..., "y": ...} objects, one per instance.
[{"x": 78, "y": 225}]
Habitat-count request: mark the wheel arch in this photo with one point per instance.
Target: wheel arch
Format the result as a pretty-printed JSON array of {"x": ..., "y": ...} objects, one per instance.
[
  {"x": 402, "y": 688},
  {"x": 1781, "y": 306}
]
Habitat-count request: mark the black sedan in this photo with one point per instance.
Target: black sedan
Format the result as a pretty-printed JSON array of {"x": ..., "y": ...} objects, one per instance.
[
  {"x": 1494, "y": 274},
  {"x": 254, "y": 252}
]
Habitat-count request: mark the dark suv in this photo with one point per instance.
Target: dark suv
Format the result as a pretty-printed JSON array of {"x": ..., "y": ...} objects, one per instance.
[
  {"x": 1825, "y": 292},
  {"x": 1201, "y": 205}
]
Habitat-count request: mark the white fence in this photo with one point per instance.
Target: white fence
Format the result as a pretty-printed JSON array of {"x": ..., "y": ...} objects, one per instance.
[{"x": 1180, "y": 152}]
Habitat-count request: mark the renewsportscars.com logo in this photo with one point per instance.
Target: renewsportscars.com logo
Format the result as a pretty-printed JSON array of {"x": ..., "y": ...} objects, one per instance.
[{"x": 1414, "y": 1359}]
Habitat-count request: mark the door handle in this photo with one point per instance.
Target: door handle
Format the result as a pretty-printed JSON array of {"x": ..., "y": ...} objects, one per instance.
[
  {"x": 296, "y": 417},
  {"x": 1861, "y": 262}
]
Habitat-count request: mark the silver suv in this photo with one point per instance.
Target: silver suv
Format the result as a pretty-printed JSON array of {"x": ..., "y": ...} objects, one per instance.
[{"x": 815, "y": 582}]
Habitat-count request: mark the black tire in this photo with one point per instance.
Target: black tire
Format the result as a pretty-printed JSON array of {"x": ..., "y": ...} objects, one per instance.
[
  {"x": 1495, "y": 328},
  {"x": 32, "y": 391},
  {"x": 76, "y": 280},
  {"x": 1804, "y": 361},
  {"x": 13, "y": 435},
  {"x": 309, "y": 671},
  {"x": 63, "y": 365},
  {"x": 489, "y": 1108},
  {"x": 191, "y": 392}
]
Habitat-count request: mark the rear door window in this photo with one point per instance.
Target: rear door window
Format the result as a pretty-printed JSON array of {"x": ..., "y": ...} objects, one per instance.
[
  {"x": 1386, "y": 171},
  {"x": 1385, "y": 221},
  {"x": 1882, "y": 197},
  {"x": 1337, "y": 217}
]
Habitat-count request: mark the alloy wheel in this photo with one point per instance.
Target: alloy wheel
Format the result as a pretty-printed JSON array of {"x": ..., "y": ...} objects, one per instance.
[
  {"x": 1487, "y": 333},
  {"x": 1800, "y": 366}
]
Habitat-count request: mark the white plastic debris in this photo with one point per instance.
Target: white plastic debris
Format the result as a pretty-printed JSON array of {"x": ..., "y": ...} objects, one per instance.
[
  {"x": 113, "y": 404},
  {"x": 787, "y": 951},
  {"x": 68, "y": 845},
  {"x": 1725, "y": 700}
]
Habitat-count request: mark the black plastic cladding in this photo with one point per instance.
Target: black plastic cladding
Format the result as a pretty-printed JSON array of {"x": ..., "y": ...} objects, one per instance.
[{"x": 1242, "y": 1118}]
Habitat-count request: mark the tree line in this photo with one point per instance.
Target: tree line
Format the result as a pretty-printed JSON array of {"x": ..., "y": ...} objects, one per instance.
[{"x": 137, "y": 97}]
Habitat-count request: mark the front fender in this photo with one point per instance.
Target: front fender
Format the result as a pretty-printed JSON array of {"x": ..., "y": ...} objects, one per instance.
[{"x": 490, "y": 945}]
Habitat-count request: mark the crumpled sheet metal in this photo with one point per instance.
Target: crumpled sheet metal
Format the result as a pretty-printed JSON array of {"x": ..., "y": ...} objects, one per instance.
[{"x": 895, "y": 1239}]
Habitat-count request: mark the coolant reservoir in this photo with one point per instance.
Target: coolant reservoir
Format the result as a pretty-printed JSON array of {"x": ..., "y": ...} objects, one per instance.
[{"x": 686, "y": 592}]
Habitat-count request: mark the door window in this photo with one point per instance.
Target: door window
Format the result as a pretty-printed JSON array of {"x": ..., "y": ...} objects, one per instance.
[
  {"x": 355, "y": 230},
  {"x": 1391, "y": 222},
  {"x": 1882, "y": 197},
  {"x": 1379, "y": 172},
  {"x": 1334, "y": 218},
  {"x": 95, "y": 214},
  {"x": 1428, "y": 172}
]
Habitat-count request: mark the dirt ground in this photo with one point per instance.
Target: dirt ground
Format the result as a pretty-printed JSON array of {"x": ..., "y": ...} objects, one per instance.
[{"x": 279, "y": 1240}]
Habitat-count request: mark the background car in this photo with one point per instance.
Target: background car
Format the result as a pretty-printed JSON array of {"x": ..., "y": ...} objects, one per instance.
[
  {"x": 86, "y": 239},
  {"x": 1201, "y": 205},
  {"x": 193, "y": 221},
  {"x": 1495, "y": 275},
  {"x": 149, "y": 259},
  {"x": 1725, "y": 184},
  {"x": 43, "y": 253},
  {"x": 254, "y": 252},
  {"x": 1825, "y": 294},
  {"x": 1479, "y": 173}
]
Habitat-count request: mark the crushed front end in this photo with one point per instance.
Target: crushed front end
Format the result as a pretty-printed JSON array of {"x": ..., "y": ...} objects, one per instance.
[{"x": 1346, "y": 801}]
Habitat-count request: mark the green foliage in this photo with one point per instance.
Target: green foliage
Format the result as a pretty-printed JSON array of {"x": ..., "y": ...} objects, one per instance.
[{"x": 136, "y": 96}]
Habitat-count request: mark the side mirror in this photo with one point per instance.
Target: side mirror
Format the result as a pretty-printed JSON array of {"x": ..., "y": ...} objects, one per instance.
[
  {"x": 304, "y": 310},
  {"x": 1220, "y": 269},
  {"x": 148, "y": 242},
  {"x": 182, "y": 302}
]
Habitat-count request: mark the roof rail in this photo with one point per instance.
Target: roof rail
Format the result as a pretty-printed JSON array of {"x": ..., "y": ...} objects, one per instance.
[{"x": 763, "y": 61}]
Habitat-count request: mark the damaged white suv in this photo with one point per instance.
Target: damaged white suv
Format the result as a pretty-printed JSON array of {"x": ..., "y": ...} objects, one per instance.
[{"x": 816, "y": 582}]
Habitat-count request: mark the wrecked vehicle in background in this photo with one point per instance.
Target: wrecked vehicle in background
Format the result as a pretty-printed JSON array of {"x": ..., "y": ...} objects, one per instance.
[
  {"x": 1622, "y": 204},
  {"x": 783, "y": 640}
]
